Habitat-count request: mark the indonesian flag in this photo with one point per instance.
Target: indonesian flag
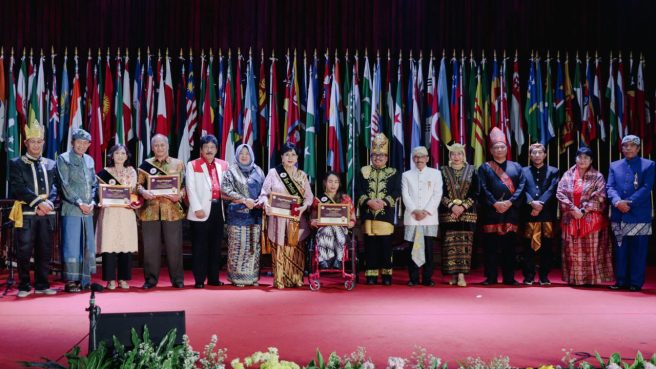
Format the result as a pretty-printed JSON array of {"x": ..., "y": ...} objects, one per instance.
[{"x": 168, "y": 96}]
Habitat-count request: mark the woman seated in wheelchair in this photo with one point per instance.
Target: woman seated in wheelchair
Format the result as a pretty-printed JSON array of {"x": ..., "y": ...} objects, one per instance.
[{"x": 331, "y": 240}]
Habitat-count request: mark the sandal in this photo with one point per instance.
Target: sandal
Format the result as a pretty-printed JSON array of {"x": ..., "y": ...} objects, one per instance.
[{"x": 72, "y": 287}]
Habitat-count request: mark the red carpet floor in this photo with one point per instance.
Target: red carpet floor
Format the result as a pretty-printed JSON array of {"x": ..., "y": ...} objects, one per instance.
[{"x": 530, "y": 324}]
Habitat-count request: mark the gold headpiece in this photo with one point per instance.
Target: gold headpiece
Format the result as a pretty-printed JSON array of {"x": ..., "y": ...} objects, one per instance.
[
  {"x": 454, "y": 147},
  {"x": 380, "y": 145},
  {"x": 34, "y": 130}
]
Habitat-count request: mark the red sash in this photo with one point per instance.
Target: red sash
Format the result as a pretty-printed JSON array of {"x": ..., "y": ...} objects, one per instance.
[{"x": 502, "y": 176}]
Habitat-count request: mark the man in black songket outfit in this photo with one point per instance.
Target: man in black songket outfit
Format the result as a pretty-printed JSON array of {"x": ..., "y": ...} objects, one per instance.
[
  {"x": 502, "y": 198},
  {"x": 378, "y": 188}
]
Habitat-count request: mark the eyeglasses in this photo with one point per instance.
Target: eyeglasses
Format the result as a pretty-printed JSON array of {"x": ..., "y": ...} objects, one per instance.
[{"x": 378, "y": 156}]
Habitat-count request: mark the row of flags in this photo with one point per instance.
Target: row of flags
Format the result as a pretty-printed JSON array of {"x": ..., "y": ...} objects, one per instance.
[{"x": 338, "y": 108}]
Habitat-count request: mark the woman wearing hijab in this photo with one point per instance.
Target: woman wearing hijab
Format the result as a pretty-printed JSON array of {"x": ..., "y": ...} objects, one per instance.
[
  {"x": 586, "y": 249},
  {"x": 241, "y": 186},
  {"x": 458, "y": 215}
]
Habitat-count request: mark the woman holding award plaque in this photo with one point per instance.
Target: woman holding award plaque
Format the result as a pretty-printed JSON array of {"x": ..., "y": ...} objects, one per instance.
[
  {"x": 116, "y": 230},
  {"x": 331, "y": 239},
  {"x": 241, "y": 185},
  {"x": 286, "y": 194}
]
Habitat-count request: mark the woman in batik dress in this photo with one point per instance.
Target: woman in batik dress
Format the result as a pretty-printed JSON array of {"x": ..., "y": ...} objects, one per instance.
[{"x": 241, "y": 188}]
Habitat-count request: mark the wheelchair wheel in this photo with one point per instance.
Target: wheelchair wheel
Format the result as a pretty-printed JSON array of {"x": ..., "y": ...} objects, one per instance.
[
  {"x": 315, "y": 284},
  {"x": 349, "y": 284}
]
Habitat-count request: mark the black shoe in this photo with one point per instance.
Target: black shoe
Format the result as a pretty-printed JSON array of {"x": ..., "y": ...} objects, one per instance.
[
  {"x": 489, "y": 282},
  {"x": 199, "y": 285},
  {"x": 371, "y": 280},
  {"x": 178, "y": 285},
  {"x": 323, "y": 265},
  {"x": 387, "y": 280},
  {"x": 429, "y": 284},
  {"x": 545, "y": 281},
  {"x": 148, "y": 285},
  {"x": 412, "y": 284},
  {"x": 215, "y": 284},
  {"x": 634, "y": 289},
  {"x": 337, "y": 264},
  {"x": 528, "y": 282},
  {"x": 512, "y": 283},
  {"x": 616, "y": 287}
]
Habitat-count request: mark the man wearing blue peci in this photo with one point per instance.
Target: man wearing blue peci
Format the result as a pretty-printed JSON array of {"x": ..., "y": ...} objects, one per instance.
[{"x": 630, "y": 181}]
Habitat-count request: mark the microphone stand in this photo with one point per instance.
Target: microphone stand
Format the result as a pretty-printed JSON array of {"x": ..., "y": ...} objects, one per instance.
[{"x": 94, "y": 312}]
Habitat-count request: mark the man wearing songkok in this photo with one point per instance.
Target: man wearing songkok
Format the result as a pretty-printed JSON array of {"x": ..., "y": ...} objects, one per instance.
[
  {"x": 204, "y": 177},
  {"x": 78, "y": 186},
  {"x": 378, "y": 188},
  {"x": 32, "y": 183},
  {"x": 422, "y": 192},
  {"x": 630, "y": 181},
  {"x": 539, "y": 213},
  {"x": 502, "y": 196},
  {"x": 161, "y": 215}
]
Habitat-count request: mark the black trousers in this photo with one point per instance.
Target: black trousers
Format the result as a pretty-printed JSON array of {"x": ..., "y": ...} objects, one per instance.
[
  {"x": 378, "y": 255},
  {"x": 544, "y": 253},
  {"x": 505, "y": 245},
  {"x": 111, "y": 261},
  {"x": 35, "y": 236},
  {"x": 171, "y": 234},
  {"x": 427, "y": 272},
  {"x": 206, "y": 242}
]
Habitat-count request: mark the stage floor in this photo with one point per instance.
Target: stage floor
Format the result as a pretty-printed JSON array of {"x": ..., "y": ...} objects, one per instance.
[{"x": 532, "y": 324}]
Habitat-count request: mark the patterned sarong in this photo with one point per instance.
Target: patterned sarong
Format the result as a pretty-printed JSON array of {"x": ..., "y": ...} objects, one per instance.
[
  {"x": 288, "y": 263},
  {"x": 457, "y": 251},
  {"x": 244, "y": 254}
]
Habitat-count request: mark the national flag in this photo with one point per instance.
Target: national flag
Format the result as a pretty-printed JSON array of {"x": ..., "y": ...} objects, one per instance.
[
  {"x": 219, "y": 102},
  {"x": 76, "y": 108},
  {"x": 119, "y": 131},
  {"x": 272, "y": 136},
  {"x": 612, "y": 103},
  {"x": 376, "y": 101},
  {"x": 588, "y": 121},
  {"x": 366, "y": 104},
  {"x": 542, "y": 111},
  {"x": 293, "y": 116},
  {"x": 462, "y": 114},
  {"x": 477, "y": 139},
  {"x": 207, "y": 111},
  {"x": 516, "y": 119},
  {"x": 229, "y": 126},
  {"x": 54, "y": 140},
  {"x": 3, "y": 98},
  {"x": 95, "y": 126},
  {"x": 353, "y": 124},
  {"x": 597, "y": 100},
  {"x": 88, "y": 92},
  {"x": 472, "y": 85},
  {"x": 37, "y": 97},
  {"x": 21, "y": 93},
  {"x": 531, "y": 111},
  {"x": 137, "y": 104},
  {"x": 64, "y": 104},
  {"x": 309, "y": 154},
  {"x": 415, "y": 138},
  {"x": 335, "y": 159},
  {"x": 238, "y": 98},
  {"x": 495, "y": 91},
  {"x": 443, "y": 103},
  {"x": 454, "y": 107},
  {"x": 568, "y": 129},
  {"x": 559, "y": 97},
  {"x": 187, "y": 140},
  {"x": 162, "y": 125},
  {"x": 398, "y": 150},
  {"x": 324, "y": 103},
  {"x": 107, "y": 109},
  {"x": 127, "y": 105},
  {"x": 433, "y": 111},
  {"x": 250, "y": 105},
  {"x": 630, "y": 114},
  {"x": 262, "y": 116},
  {"x": 620, "y": 100},
  {"x": 504, "y": 120},
  {"x": 389, "y": 101},
  {"x": 13, "y": 137},
  {"x": 547, "y": 132},
  {"x": 485, "y": 93},
  {"x": 642, "y": 110},
  {"x": 149, "y": 100}
]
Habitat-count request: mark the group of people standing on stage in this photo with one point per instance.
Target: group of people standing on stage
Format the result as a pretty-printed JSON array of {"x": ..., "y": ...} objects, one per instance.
[{"x": 500, "y": 199}]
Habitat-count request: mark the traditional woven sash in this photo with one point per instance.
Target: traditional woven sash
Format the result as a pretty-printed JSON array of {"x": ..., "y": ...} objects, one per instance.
[
  {"x": 108, "y": 178},
  {"x": 291, "y": 187},
  {"x": 502, "y": 176},
  {"x": 151, "y": 170},
  {"x": 592, "y": 221}
]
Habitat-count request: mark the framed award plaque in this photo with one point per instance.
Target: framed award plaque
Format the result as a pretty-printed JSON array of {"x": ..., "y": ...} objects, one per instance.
[
  {"x": 115, "y": 196},
  {"x": 283, "y": 205},
  {"x": 164, "y": 185},
  {"x": 334, "y": 214}
]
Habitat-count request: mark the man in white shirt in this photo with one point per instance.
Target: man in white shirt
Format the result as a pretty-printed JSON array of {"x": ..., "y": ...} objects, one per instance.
[{"x": 422, "y": 192}]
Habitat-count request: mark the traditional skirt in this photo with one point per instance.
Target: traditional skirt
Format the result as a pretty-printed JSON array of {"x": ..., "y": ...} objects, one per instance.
[
  {"x": 288, "y": 263},
  {"x": 78, "y": 248},
  {"x": 330, "y": 242},
  {"x": 244, "y": 254},
  {"x": 587, "y": 260},
  {"x": 457, "y": 251}
]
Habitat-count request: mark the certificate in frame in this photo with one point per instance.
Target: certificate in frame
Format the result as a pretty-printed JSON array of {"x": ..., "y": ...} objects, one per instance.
[
  {"x": 115, "y": 196},
  {"x": 164, "y": 185},
  {"x": 334, "y": 215},
  {"x": 283, "y": 205}
]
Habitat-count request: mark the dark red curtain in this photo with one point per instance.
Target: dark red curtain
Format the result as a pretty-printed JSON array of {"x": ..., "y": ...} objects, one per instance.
[{"x": 334, "y": 24}]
